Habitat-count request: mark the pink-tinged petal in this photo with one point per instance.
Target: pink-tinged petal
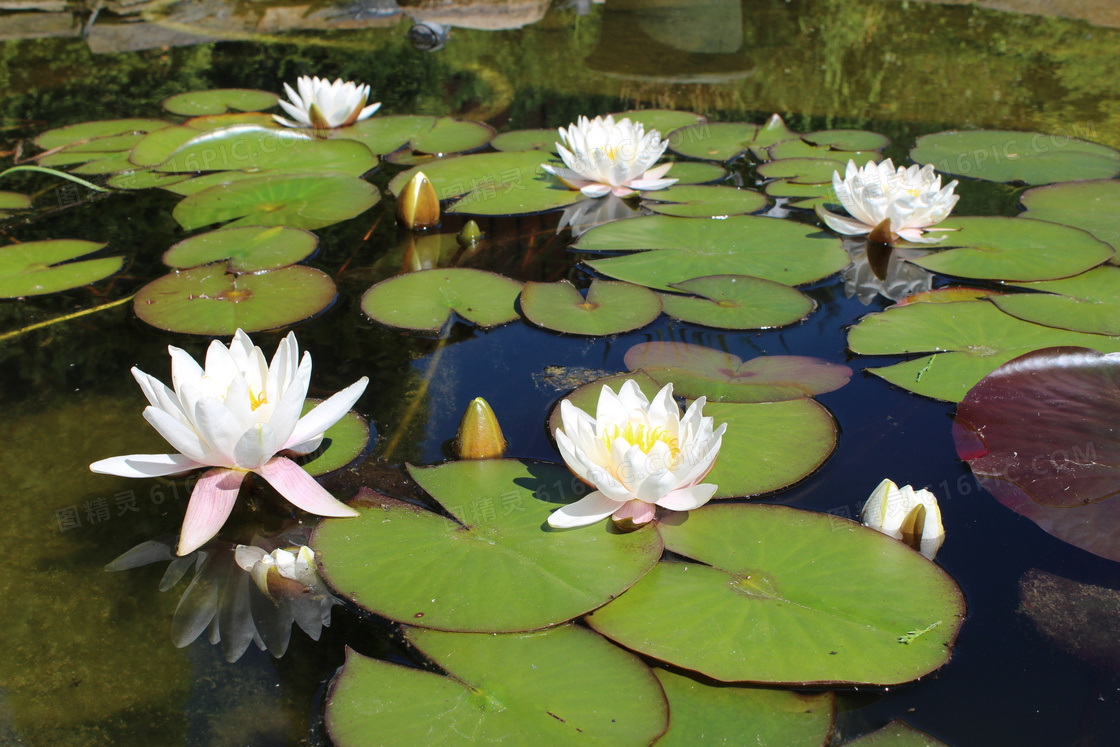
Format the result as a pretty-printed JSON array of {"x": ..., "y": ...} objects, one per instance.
[
  {"x": 638, "y": 512},
  {"x": 616, "y": 191},
  {"x": 840, "y": 224},
  {"x": 182, "y": 439},
  {"x": 145, "y": 465},
  {"x": 602, "y": 190},
  {"x": 587, "y": 510},
  {"x": 686, "y": 499},
  {"x": 211, "y": 502},
  {"x": 326, "y": 414},
  {"x": 300, "y": 488},
  {"x": 915, "y": 236},
  {"x": 658, "y": 171}
]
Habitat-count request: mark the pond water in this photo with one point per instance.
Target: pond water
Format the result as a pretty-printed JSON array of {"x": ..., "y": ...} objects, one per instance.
[{"x": 87, "y": 657}]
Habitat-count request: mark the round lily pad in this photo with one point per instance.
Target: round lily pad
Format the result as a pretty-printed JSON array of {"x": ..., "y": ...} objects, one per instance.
[
  {"x": 802, "y": 170},
  {"x": 565, "y": 685},
  {"x": 697, "y": 371},
  {"x": 342, "y": 443},
  {"x": 737, "y": 302},
  {"x": 156, "y": 147},
  {"x": 209, "y": 122},
  {"x": 848, "y": 139},
  {"x": 787, "y": 596},
  {"x": 109, "y": 144},
  {"x": 798, "y": 148},
  {"x": 193, "y": 185},
  {"x": 450, "y": 135},
  {"x": 970, "y": 339},
  {"x": 250, "y": 147},
  {"x": 415, "y": 566},
  {"x": 704, "y": 714},
  {"x": 526, "y": 140},
  {"x": 1012, "y": 249},
  {"x": 144, "y": 178},
  {"x": 664, "y": 121},
  {"x": 691, "y": 201},
  {"x": 1013, "y": 156},
  {"x": 247, "y": 248},
  {"x": 803, "y": 196},
  {"x": 1092, "y": 206},
  {"x": 683, "y": 248},
  {"x": 60, "y": 136},
  {"x": 210, "y": 301},
  {"x": 425, "y": 300},
  {"x": 713, "y": 141},
  {"x": 13, "y": 201},
  {"x": 35, "y": 268},
  {"x": 1089, "y": 302},
  {"x": 307, "y": 201},
  {"x": 608, "y": 309},
  {"x": 385, "y": 134},
  {"x": 694, "y": 172},
  {"x": 219, "y": 101}
]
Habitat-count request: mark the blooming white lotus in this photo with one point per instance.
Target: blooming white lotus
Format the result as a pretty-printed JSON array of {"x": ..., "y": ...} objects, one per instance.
[
  {"x": 905, "y": 514},
  {"x": 638, "y": 454},
  {"x": 325, "y": 105},
  {"x": 890, "y": 203},
  {"x": 607, "y": 157},
  {"x": 237, "y": 416}
]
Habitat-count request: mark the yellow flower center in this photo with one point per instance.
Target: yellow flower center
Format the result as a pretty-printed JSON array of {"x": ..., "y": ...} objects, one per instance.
[
  {"x": 256, "y": 401},
  {"x": 641, "y": 436},
  {"x": 611, "y": 152}
]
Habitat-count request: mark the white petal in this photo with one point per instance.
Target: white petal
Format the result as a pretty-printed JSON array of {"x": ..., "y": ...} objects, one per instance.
[
  {"x": 688, "y": 498},
  {"x": 588, "y": 510},
  {"x": 145, "y": 465},
  {"x": 326, "y": 414}
]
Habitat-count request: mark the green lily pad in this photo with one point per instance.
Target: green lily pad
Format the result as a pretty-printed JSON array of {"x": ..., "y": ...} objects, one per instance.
[
  {"x": 787, "y": 596},
  {"x": 1092, "y": 206},
  {"x": 186, "y": 185},
  {"x": 683, "y": 249},
  {"x": 415, "y": 566},
  {"x": 449, "y": 135},
  {"x": 768, "y": 446},
  {"x": 219, "y": 101},
  {"x": 1013, "y": 156},
  {"x": 949, "y": 294},
  {"x": 703, "y": 714},
  {"x": 848, "y": 139},
  {"x": 690, "y": 201},
  {"x": 526, "y": 140},
  {"x": 969, "y": 340},
  {"x": 561, "y": 686},
  {"x": 249, "y": 147},
  {"x": 803, "y": 196},
  {"x": 13, "y": 201},
  {"x": 35, "y": 268},
  {"x": 737, "y": 302},
  {"x": 156, "y": 147},
  {"x": 714, "y": 141},
  {"x": 798, "y": 148},
  {"x": 664, "y": 121},
  {"x": 342, "y": 443},
  {"x": 110, "y": 144},
  {"x": 697, "y": 371},
  {"x": 210, "y": 301},
  {"x": 897, "y": 733},
  {"x": 65, "y": 157},
  {"x": 144, "y": 178},
  {"x": 802, "y": 170},
  {"x": 695, "y": 172},
  {"x": 425, "y": 300},
  {"x": 1089, "y": 302},
  {"x": 247, "y": 249},
  {"x": 609, "y": 309},
  {"x": 60, "y": 136},
  {"x": 307, "y": 201},
  {"x": 385, "y": 134},
  {"x": 1012, "y": 249},
  {"x": 209, "y": 122}
]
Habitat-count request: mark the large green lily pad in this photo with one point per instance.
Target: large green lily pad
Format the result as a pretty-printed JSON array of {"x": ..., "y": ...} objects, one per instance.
[
  {"x": 692, "y": 201},
  {"x": 785, "y": 596},
  {"x": 210, "y": 301},
  {"x": 697, "y": 371},
  {"x": 425, "y": 300},
  {"x": 682, "y": 249},
  {"x": 737, "y": 302},
  {"x": 246, "y": 249},
  {"x": 181, "y": 185},
  {"x": 1015, "y": 156},
  {"x": 664, "y": 121},
  {"x": 563, "y": 686},
  {"x": 1092, "y": 206},
  {"x": 897, "y": 733},
  {"x": 526, "y": 140},
  {"x": 798, "y": 148},
  {"x": 209, "y": 122},
  {"x": 701, "y": 714},
  {"x": 803, "y": 196},
  {"x": 609, "y": 308},
  {"x": 13, "y": 201},
  {"x": 969, "y": 340},
  {"x": 385, "y": 134},
  {"x": 35, "y": 268},
  {"x": 219, "y": 101},
  {"x": 714, "y": 141},
  {"x": 307, "y": 201},
  {"x": 846, "y": 140},
  {"x": 448, "y": 135},
  {"x": 60, "y": 136},
  {"x": 496, "y": 566},
  {"x": 156, "y": 147},
  {"x": 1011, "y": 249},
  {"x": 342, "y": 443},
  {"x": 802, "y": 170},
  {"x": 254, "y": 148},
  {"x": 1089, "y": 302}
]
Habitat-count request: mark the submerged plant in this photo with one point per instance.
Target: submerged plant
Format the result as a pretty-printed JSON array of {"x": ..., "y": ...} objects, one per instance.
[
  {"x": 912, "y": 516},
  {"x": 325, "y": 105},
  {"x": 607, "y": 157}
]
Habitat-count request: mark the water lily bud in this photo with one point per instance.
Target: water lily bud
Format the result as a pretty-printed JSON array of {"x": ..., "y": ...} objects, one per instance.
[
  {"x": 418, "y": 206},
  {"x": 907, "y": 515},
  {"x": 470, "y": 234},
  {"x": 480, "y": 436}
]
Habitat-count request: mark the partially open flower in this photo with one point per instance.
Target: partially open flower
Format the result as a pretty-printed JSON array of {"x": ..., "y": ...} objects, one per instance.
[
  {"x": 905, "y": 514},
  {"x": 638, "y": 454},
  {"x": 607, "y": 157},
  {"x": 325, "y": 105}
]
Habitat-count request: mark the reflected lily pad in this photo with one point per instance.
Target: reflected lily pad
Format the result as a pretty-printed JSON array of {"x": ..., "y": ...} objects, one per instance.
[
  {"x": 425, "y": 300},
  {"x": 1092, "y": 206},
  {"x": 691, "y": 201},
  {"x": 496, "y": 566},
  {"x": 737, "y": 302},
  {"x": 1076, "y": 617},
  {"x": 786, "y": 596},
  {"x": 703, "y": 714},
  {"x": 565, "y": 685},
  {"x": 342, "y": 443},
  {"x": 526, "y": 140},
  {"x": 802, "y": 170},
  {"x": 1014, "y": 156},
  {"x": 609, "y": 308},
  {"x": 1012, "y": 249},
  {"x": 10, "y": 201},
  {"x": 60, "y": 136},
  {"x": 1089, "y": 302},
  {"x": 35, "y": 268},
  {"x": 307, "y": 201},
  {"x": 247, "y": 249},
  {"x": 897, "y": 733},
  {"x": 210, "y": 301},
  {"x": 684, "y": 248},
  {"x": 697, "y": 371},
  {"x": 971, "y": 339},
  {"x": 219, "y": 101}
]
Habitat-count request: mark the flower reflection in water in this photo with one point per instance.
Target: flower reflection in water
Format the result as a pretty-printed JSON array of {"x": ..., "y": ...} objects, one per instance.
[
  {"x": 882, "y": 270},
  {"x": 584, "y": 215}
]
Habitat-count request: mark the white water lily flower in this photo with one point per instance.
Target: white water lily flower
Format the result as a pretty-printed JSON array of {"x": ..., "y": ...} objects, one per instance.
[
  {"x": 607, "y": 157},
  {"x": 912, "y": 516},
  {"x": 237, "y": 416},
  {"x": 325, "y": 105},
  {"x": 910, "y": 200},
  {"x": 281, "y": 570},
  {"x": 638, "y": 454}
]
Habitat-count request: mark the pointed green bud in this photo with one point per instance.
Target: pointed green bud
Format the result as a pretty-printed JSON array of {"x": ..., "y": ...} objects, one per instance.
[
  {"x": 470, "y": 234},
  {"x": 417, "y": 205},
  {"x": 480, "y": 436}
]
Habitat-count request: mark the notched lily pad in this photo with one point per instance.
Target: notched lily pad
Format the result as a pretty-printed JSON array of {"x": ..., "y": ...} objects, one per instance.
[
  {"x": 425, "y": 300},
  {"x": 803, "y": 196},
  {"x": 713, "y": 141},
  {"x": 1092, "y": 206},
  {"x": 254, "y": 148},
  {"x": 737, "y": 302},
  {"x": 664, "y": 121},
  {"x": 1015, "y": 156},
  {"x": 450, "y": 135},
  {"x": 802, "y": 170},
  {"x": 847, "y": 140},
  {"x": 219, "y": 101},
  {"x": 60, "y": 136},
  {"x": 342, "y": 443},
  {"x": 1089, "y": 302},
  {"x": 690, "y": 201},
  {"x": 35, "y": 268},
  {"x": 247, "y": 249},
  {"x": 609, "y": 308}
]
